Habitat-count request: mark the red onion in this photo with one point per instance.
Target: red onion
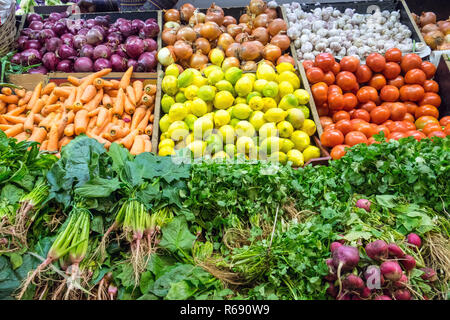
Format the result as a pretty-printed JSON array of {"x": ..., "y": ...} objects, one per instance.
[
  {"x": 67, "y": 38},
  {"x": 137, "y": 25},
  {"x": 132, "y": 63},
  {"x": 146, "y": 62},
  {"x": 26, "y": 32},
  {"x": 150, "y": 30},
  {"x": 48, "y": 25},
  {"x": 66, "y": 52},
  {"x": 94, "y": 37},
  {"x": 15, "y": 58},
  {"x": 54, "y": 16},
  {"x": 102, "y": 21},
  {"x": 46, "y": 34},
  {"x": 30, "y": 57},
  {"x": 59, "y": 28},
  {"x": 65, "y": 66},
  {"x": 115, "y": 38},
  {"x": 150, "y": 45},
  {"x": 21, "y": 42},
  {"x": 33, "y": 17},
  {"x": 134, "y": 47},
  {"x": 36, "y": 25},
  {"x": 79, "y": 41},
  {"x": 87, "y": 51},
  {"x": 118, "y": 63},
  {"x": 101, "y": 64},
  {"x": 38, "y": 70},
  {"x": 90, "y": 23},
  {"x": 50, "y": 61},
  {"x": 101, "y": 51},
  {"x": 83, "y": 64},
  {"x": 32, "y": 44},
  {"x": 126, "y": 29}
]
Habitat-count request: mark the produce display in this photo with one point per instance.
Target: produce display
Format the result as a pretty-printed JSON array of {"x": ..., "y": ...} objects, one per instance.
[
  {"x": 238, "y": 200},
  {"x": 435, "y": 34},
  {"x": 107, "y": 110},
  {"x": 67, "y": 45},
  {"x": 347, "y": 33}
]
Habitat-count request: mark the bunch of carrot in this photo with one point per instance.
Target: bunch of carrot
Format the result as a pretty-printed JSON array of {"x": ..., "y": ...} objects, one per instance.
[{"x": 107, "y": 110}]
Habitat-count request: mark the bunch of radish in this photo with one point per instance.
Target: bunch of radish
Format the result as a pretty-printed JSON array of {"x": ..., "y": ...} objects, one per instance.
[{"x": 383, "y": 276}]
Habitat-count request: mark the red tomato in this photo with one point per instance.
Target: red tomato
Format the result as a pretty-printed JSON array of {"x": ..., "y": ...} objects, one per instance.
[
  {"x": 409, "y": 125},
  {"x": 325, "y": 121},
  {"x": 324, "y": 61},
  {"x": 329, "y": 78},
  {"x": 380, "y": 114},
  {"x": 392, "y": 70},
  {"x": 308, "y": 64},
  {"x": 428, "y": 68},
  {"x": 349, "y": 63},
  {"x": 447, "y": 129},
  {"x": 397, "y": 126},
  {"x": 431, "y": 86},
  {"x": 397, "y": 135},
  {"x": 409, "y": 117},
  {"x": 378, "y": 81},
  {"x": 398, "y": 82},
  {"x": 439, "y": 134},
  {"x": 415, "y": 76},
  {"x": 393, "y": 55},
  {"x": 411, "y": 107},
  {"x": 430, "y": 127},
  {"x": 422, "y": 121},
  {"x": 398, "y": 111},
  {"x": 361, "y": 114},
  {"x": 366, "y": 94},
  {"x": 315, "y": 75},
  {"x": 330, "y": 127},
  {"x": 336, "y": 68},
  {"x": 356, "y": 122},
  {"x": 336, "y": 101},
  {"x": 350, "y": 101},
  {"x": 389, "y": 93},
  {"x": 341, "y": 115},
  {"x": 320, "y": 92},
  {"x": 444, "y": 121},
  {"x": 416, "y": 134},
  {"x": 355, "y": 137},
  {"x": 323, "y": 110},
  {"x": 363, "y": 74},
  {"x": 334, "y": 89},
  {"x": 410, "y": 61},
  {"x": 344, "y": 126},
  {"x": 331, "y": 138},
  {"x": 427, "y": 110},
  {"x": 338, "y": 151},
  {"x": 372, "y": 140},
  {"x": 376, "y": 62},
  {"x": 412, "y": 92},
  {"x": 384, "y": 129},
  {"x": 366, "y": 128},
  {"x": 346, "y": 80},
  {"x": 368, "y": 106},
  {"x": 430, "y": 98}
]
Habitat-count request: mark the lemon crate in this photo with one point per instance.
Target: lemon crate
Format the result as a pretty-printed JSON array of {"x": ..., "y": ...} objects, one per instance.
[{"x": 236, "y": 12}]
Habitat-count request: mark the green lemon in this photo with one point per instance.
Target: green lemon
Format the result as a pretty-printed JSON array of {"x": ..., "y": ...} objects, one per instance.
[
  {"x": 172, "y": 70},
  {"x": 202, "y": 127},
  {"x": 302, "y": 96},
  {"x": 285, "y": 88},
  {"x": 275, "y": 115},
  {"x": 285, "y": 129},
  {"x": 166, "y": 102},
  {"x": 288, "y": 101},
  {"x": 266, "y": 72},
  {"x": 270, "y": 145},
  {"x": 197, "y": 148},
  {"x": 214, "y": 143},
  {"x": 178, "y": 112},
  {"x": 190, "y": 119},
  {"x": 180, "y": 97},
  {"x": 259, "y": 85},
  {"x": 296, "y": 157},
  {"x": 243, "y": 86},
  {"x": 221, "y": 118},
  {"x": 269, "y": 103},
  {"x": 268, "y": 130},
  {"x": 305, "y": 110},
  {"x": 206, "y": 93},
  {"x": 234, "y": 122},
  {"x": 257, "y": 119},
  {"x": 244, "y": 144},
  {"x": 178, "y": 130},
  {"x": 290, "y": 77},
  {"x": 223, "y": 100},
  {"x": 216, "y": 56},
  {"x": 296, "y": 117},
  {"x": 278, "y": 156},
  {"x": 230, "y": 150},
  {"x": 227, "y": 133},
  {"x": 311, "y": 152},
  {"x": 164, "y": 123},
  {"x": 199, "y": 81},
  {"x": 253, "y": 94},
  {"x": 224, "y": 85},
  {"x": 300, "y": 139},
  {"x": 185, "y": 78},
  {"x": 286, "y": 145},
  {"x": 242, "y": 111},
  {"x": 170, "y": 85},
  {"x": 215, "y": 76},
  {"x": 233, "y": 74},
  {"x": 191, "y": 92},
  {"x": 256, "y": 103},
  {"x": 199, "y": 107},
  {"x": 309, "y": 127},
  {"x": 270, "y": 89},
  {"x": 244, "y": 129},
  {"x": 166, "y": 143},
  {"x": 166, "y": 151}
]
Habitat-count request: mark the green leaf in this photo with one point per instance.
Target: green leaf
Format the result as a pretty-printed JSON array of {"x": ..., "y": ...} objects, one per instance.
[
  {"x": 98, "y": 188},
  {"x": 180, "y": 291},
  {"x": 16, "y": 260},
  {"x": 11, "y": 193},
  {"x": 176, "y": 235}
]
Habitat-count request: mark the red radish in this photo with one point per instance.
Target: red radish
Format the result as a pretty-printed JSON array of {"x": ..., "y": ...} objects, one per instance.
[
  {"x": 391, "y": 270},
  {"x": 429, "y": 274},
  {"x": 402, "y": 294},
  {"x": 332, "y": 271},
  {"x": 402, "y": 282},
  {"x": 377, "y": 250},
  {"x": 334, "y": 245},
  {"x": 366, "y": 292},
  {"x": 395, "y": 251},
  {"x": 332, "y": 290},
  {"x": 363, "y": 204},
  {"x": 414, "y": 239},
  {"x": 345, "y": 258},
  {"x": 352, "y": 282},
  {"x": 374, "y": 279},
  {"x": 408, "y": 262},
  {"x": 341, "y": 240},
  {"x": 383, "y": 297}
]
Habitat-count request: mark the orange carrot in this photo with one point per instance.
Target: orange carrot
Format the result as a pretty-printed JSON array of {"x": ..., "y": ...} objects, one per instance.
[
  {"x": 129, "y": 106},
  {"x": 102, "y": 140},
  {"x": 6, "y": 91},
  {"x": 69, "y": 130},
  {"x": 125, "y": 81},
  {"x": 143, "y": 123},
  {"x": 113, "y": 93},
  {"x": 149, "y": 130},
  {"x": 14, "y": 130},
  {"x": 26, "y": 98},
  {"x": 107, "y": 102},
  {"x": 70, "y": 101},
  {"x": 130, "y": 94},
  {"x": 147, "y": 145},
  {"x": 52, "y": 99},
  {"x": 38, "y": 118},
  {"x": 38, "y": 135},
  {"x": 9, "y": 99},
  {"x": 21, "y": 136},
  {"x": 118, "y": 106},
  {"x": 101, "y": 83},
  {"x": 138, "y": 87},
  {"x": 118, "y": 132},
  {"x": 47, "y": 121},
  {"x": 64, "y": 141},
  {"x": 81, "y": 122},
  {"x": 3, "y": 120},
  {"x": 16, "y": 110},
  {"x": 36, "y": 94},
  {"x": 126, "y": 119},
  {"x": 115, "y": 84},
  {"x": 88, "y": 81},
  {"x": 152, "y": 117},
  {"x": 70, "y": 116},
  {"x": 88, "y": 94},
  {"x": 50, "y": 108},
  {"x": 61, "y": 124},
  {"x": 53, "y": 138},
  {"x": 37, "y": 108},
  {"x": 106, "y": 123},
  {"x": 92, "y": 122},
  {"x": 128, "y": 140},
  {"x": 4, "y": 127},
  {"x": 94, "y": 103},
  {"x": 94, "y": 112},
  {"x": 14, "y": 119},
  {"x": 48, "y": 88},
  {"x": 146, "y": 100},
  {"x": 74, "y": 80},
  {"x": 101, "y": 117},
  {"x": 28, "y": 125},
  {"x": 63, "y": 91},
  {"x": 137, "y": 117},
  {"x": 43, "y": 145},
  {"x": 138, "y": 146},
  {"x": 20, "y": 92},
  {"x": 150, "y": 89}
]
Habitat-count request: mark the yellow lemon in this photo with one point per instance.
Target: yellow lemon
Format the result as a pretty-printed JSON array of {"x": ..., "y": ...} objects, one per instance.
[
  {"x": 214, "y": 143},
  {"x": 216, "y": 56},
  {"x": 239, "y": 100},
  {"x": 269, "y": 103},
  {"x": 285, "y": 88},
  {"x": 206, "y": 71},
  {"x": 300, "y": 139},
  {"x": 296, "y": 118},
  {"x": 166, "y": 102},
  {"x": 220, "y": 155},
  {"x": 244, "y": 144},
  {"x": 309, "y": 127},
  {"x": 278, "y": 156},
  {"x": 285, "y": 129},
  {"x": 288, "y": 101},
  {"x": 233, "y": 74},
  {"x": 166, "y": 151},
  {"x": 296, "y": 157},
  {"x": 215, "y": 76},
  {"x": 244, "y": 128},
  {"x": 302, "y": 96},
  {"x": 197, "y": 148},
  {"x": 180, "y": 97},
  {"x": 251, "y": 76},
  {"x": 311, "y": 152},
  {"x": 189, "y": 120},
  {"x": 257, "y": 119},
  {"x": 285, "y": 66},
  {"x": 256, "y": 103},
  {"x": 178, "y": 112},
  {"x": 223, "y": 100},
  {"x": 172, "y": 70},
  {"x": 199, "y": 81},
  {"x": 230, "y": 150},
  {"x": 266, "y": 72},
  {"x": 305, "y": 110},
  {"x": 227, "y": 133},
  {"x": 199, "y": 107},
  {"x": 178, "y": 130},
  {"x": 169, "y": 85},
  {"x": 243, "y": 86},
  {"x": 202, "y": 127},
  {"x": 185, "y": 78},
  {"x": 290, "y": 77},
  {"x": 259, "y": 85},
  {"x": 234, "y": 122},
  {"x": 241, "y": 111},
  {"x": 224, "y": 85},
  {"x": 191, "y": 92},
  {"x": 165, "y": 135},
  {"x": 189, "y": 138},
  {"x": 221, "y": 118},
  {"x": 206, "y": 93},
  {"x": 268, "y": 130},
  {"x": 270, "y": 89},
  {"x": 270, "y": 145},
  {"x": 166, "y": 143},
  {"x": 286, "y": 145},
  {"x": 164, "y": 123},
  {"x": 275, "y": 115}
]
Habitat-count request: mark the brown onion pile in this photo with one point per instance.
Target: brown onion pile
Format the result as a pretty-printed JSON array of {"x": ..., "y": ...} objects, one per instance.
[
  {"x": 435, "y": 34},
  {"x": 257, "y": 34}
]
